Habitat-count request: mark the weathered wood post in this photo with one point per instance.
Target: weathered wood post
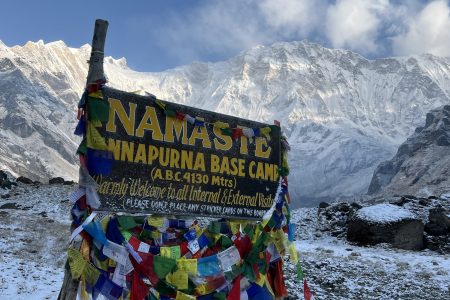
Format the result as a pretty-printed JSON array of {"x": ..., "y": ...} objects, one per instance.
[
  {"x": 97, "y": 52},
  {"x": 70, "y": 286}
]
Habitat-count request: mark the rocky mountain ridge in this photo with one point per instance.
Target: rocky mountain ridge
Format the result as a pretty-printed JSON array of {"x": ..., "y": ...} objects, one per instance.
[{"x": 421, "y": 165}]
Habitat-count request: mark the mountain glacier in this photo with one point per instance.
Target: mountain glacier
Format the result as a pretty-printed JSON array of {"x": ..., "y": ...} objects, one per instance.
[{"x": 342, "y": 113}]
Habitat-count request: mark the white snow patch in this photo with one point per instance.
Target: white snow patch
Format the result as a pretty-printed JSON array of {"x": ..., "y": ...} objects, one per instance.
[{"x": 384, "y": 213}]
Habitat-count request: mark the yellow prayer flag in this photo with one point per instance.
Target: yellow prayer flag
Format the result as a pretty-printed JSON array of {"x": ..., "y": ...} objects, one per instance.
[
  {"x": 201, "y": 289},
  {"x": 111, "y": 263},
  {"x": 183, "y": 296},
  {"x": 98, "y": 94},
  {"x": 76, "y": 262},
  {"x": 82, "y": 291},
  {"x": 279, "y": 239},
  {"x": 293, "y": 253},
  {"x": 261, "y": 280},
  {"x": 187, "y": 265},
  {"x": 94, "y": 140},
  {"x": 178, "y": 279},
  {"x": 265, "y": 131},
  {"x": 91, "y": 274},
  {"x": 160, "y": 104},
  {"x": 155, "y": 221},
  {"x": 269, "y": 287},
  {"x": 173, "y": 252},
  {"x": 235, "y": 227},
  {"x": 85, "y": 250},
  {"x": 104, "y": 222},
  {"x": 198, "y": 230},
  {"x": 155, "y": 235},
  {"x": 221, "y": 125}
]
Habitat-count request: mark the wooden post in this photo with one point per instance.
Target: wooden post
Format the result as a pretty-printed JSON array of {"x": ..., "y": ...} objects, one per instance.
[
  {"x": 97, "y": 52},
  {"x": 70, "y": 286}
]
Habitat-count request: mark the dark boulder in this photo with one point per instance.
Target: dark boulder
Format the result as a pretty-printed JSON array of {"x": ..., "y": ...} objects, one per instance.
[
  {"x": 56, "y": 180},
  {"x": 6, "y": 184},
  {"x": 25, "y": 180},
  {"x": 323, "y": 205},
  {"x": 386, "y": 223},
  {"x": 402, "y": 201},
  {"x": 439, "y": 222},
  {"x": 3, "y": 175}
]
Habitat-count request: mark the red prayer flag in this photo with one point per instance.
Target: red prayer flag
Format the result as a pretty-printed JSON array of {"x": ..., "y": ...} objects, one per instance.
[
  {"x": 138, "y": 288},
  {"x": 306, "y": 291},
  {"x": 235, "y": 292},
  {"x": 180, "y": 115},
  {"x": 236, "y": 133},
  {"x": 145, "y": 267}
]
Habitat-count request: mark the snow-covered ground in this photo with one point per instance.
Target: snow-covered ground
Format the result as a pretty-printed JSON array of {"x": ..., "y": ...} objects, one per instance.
[{"x": 34, "y": 230}]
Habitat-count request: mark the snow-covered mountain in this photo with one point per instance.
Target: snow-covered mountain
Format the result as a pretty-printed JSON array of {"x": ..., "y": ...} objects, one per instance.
[{"x": 343, "y": 114}]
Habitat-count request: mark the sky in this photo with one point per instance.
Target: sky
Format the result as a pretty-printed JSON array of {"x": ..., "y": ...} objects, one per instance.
[{"x": 154, "y": 35}]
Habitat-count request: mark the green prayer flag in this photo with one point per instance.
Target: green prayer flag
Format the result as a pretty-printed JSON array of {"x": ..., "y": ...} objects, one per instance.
[
  {"x": 226, "y": 131},
  {"x": 163, "y": 266},
  {"x": 82, "y": 149},
  {"x": 214, "y": 227},
  {"x": 126, "y": 222},
  {"x": 300, "y": 274},
  {"x": 225, "y": 242},
  {"x": 271, "y": 224},
  {"x": 98, "y": 109},
  {"x": 248, "y": 271},
  {"x": 249, "y": 231},
  {"x": 220, "y": 296},
  {"x": 165, "y": 288},
  {"x": 126, "y": 234},
  {"x": 235, "y": 271},
  {"x": 170, "y": 113}
]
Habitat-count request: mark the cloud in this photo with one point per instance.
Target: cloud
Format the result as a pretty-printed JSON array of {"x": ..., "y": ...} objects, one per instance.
[
  {"x": 219, "y": 27},
  {"x": 293, "y": 16},
  {"x": 216, "y": 28},
  {"x": 426, "y": 32},
  {"x": 356, "y": 24}
]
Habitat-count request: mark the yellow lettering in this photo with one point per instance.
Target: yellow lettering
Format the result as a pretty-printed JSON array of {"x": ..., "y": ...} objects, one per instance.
[
  {"x": 215, "y": 160},
  {"x": 174, "y": 158},
  {"x": 259, "y": 152},
  {"x": 199, "y": 162},
  {"x": 227, "y": 141},
  {"x": 199, "y": 132},
  {"x": 250, "y": 169},
  {"x": 127, "y": 151},
  {"x": 115, "y": 107},
  {"x": 140, "y": 154},
  {"x": 164, "y": 156},
  {"x": 186, "y": 159},
  {"x": 152, "y": 154},
  {"x": 153, "y": 126},
  {"x": 180, "y": 128}
]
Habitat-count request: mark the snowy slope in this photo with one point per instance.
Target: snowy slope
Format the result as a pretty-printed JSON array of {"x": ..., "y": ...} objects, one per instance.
[{"x": 343, "y": 114}]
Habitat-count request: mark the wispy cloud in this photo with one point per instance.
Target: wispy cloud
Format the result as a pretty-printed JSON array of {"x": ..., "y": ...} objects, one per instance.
[
  {"x": 220, "y": 28},
  {"x": 427, "y": 31},
  {"x": 355, "y": 24}
]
